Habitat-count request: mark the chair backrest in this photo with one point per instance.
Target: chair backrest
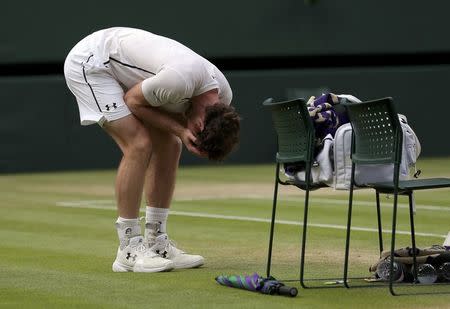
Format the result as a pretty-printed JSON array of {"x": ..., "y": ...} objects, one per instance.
[
  {"x": 294, "y": 128},
  {"x": 377, "y": 134}
]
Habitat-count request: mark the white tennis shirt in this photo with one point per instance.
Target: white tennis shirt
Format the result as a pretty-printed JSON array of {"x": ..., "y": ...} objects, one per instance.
[{"x": 171, "y": 73}]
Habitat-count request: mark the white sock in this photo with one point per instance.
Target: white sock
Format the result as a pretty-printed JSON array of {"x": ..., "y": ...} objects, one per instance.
[
  {"x": 126, "y": 229},
  {"x": 157, "y": 215}
]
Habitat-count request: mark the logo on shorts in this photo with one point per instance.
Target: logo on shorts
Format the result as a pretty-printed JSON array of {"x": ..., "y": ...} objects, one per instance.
[{"x": 108, "y": 107}]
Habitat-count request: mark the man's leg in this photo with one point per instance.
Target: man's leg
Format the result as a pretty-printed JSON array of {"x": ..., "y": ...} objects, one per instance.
[
  {"x": 135, "y": 143},
  {"x": 159, "y": 188},
  {"x": 161, "y": 173},
  {"x": 161, "y": 176}
]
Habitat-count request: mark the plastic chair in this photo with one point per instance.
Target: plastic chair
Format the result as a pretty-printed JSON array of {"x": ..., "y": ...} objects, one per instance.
[
  {"x": 295, "y": 135},
  {"x": 377, "y": 139}
]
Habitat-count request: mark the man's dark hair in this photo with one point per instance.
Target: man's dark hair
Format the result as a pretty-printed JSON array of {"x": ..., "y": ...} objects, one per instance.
[{"x": 220, "y": 134}]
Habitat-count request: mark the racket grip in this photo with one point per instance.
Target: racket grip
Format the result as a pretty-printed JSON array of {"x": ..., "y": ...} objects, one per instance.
[{"x": 287, "y": 291}]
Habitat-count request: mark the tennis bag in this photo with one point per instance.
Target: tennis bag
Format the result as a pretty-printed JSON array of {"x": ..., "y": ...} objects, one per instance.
[
  {"x": 372, "y": 173},
  {"x": 333, "y": 166},
  {"x": 436, "y": 256}
]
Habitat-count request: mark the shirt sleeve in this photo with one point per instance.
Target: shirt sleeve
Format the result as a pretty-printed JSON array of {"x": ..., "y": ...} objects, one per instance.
[
  {"x": 166, "y": 87},
  {"x": 206, "y": 77},
  {"x": 225, "y": 92}
]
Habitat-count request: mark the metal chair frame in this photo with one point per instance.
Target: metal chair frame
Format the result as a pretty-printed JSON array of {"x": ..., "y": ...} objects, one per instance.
[
  {"x": 296, "y": 134},
  {"x": 377, "y": 139}
]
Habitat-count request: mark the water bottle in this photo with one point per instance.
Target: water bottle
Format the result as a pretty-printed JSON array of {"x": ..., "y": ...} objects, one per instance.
[
  {"x": 426, "y": 274},
  {"x": 443, "y": 272},
  {"x": 383, "y": 271}
]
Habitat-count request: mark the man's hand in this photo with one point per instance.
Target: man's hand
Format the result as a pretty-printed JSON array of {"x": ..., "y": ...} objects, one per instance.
[
  {"x": 197, "y": 111},
  {"x": 189, "y": 139},
  {"x": 195, "y": 124},
  {"x": 154, "y": 116}
]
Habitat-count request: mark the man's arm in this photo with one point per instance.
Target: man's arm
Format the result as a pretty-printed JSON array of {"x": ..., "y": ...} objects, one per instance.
[{"x": 154, "y": 116}]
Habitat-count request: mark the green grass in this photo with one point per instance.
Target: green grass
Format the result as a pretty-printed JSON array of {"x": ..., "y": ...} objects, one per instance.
[{"x": 53, "y": 256}]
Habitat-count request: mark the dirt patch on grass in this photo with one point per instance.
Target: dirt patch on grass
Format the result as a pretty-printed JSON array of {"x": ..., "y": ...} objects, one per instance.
[
  {"x": 242, "y": 190},
  {"x": 94, "y": 190},
  {"x": 185, "y": 190}
]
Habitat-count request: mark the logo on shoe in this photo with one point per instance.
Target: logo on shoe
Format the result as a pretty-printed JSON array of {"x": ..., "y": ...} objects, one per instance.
[
  {"x": 164, "y": 254},
  {"x": 133, "y": 257}
]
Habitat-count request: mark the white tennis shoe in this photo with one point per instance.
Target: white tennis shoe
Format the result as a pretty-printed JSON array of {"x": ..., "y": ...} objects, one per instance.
[
  {"x": 137, "y": 257},
  {"x": 166, "y": 249}
]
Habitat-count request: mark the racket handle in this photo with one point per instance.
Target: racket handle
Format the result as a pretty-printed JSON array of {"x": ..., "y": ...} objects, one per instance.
[{"x": 287, "y": 291}]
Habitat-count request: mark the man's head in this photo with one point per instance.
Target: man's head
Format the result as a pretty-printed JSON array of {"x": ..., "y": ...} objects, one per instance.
[{"x": 220, "y": 133}]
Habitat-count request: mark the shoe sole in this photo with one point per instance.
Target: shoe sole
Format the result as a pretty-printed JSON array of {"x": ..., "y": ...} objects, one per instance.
[
  {"x": 121, "y": 268},
  {"x": 190, "y": 265},
  {"x": 140, "y": 269}
]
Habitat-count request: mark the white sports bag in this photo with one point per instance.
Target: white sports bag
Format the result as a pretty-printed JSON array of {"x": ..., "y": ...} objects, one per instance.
[
  {"x": 371, "y": 173},
  {"x": 333, "y": 165}
]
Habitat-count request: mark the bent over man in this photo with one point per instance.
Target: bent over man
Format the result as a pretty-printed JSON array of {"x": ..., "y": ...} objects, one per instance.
[{"x": 150, "y": 94}]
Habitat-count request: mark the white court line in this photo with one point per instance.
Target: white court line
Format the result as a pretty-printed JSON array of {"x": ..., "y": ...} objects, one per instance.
[
  {"x": 384, "y": 204},
  {"x": 315, "y": 200},
  {"x": 251, "y": 219}
]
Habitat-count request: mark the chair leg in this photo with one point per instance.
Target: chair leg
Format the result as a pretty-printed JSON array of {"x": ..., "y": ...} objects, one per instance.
[
  {"x": 349, "y": 223},
  {"x": 413, "y": 234},
  {"x": 272, "y": 222},
  {"x": 380, "y": 229},
  {"x": 394, "y": 226},
  {"x": 302, "y": 254},
  {"x": 347, "y": 238}
]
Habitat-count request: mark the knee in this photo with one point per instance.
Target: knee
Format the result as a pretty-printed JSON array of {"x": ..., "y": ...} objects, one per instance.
[
  {"x": 174, "y": 145},
  {"x": 178, "y": 145},
  {"x": 140, "y": 146},
  {"x": 170, "y": 145}
]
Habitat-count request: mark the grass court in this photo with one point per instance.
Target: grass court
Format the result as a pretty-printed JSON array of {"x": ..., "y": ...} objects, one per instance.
[{"x": 58, "y": 241}]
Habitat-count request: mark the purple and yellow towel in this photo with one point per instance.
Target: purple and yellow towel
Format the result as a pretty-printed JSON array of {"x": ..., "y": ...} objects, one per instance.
[{"x": 325, "y": 117}]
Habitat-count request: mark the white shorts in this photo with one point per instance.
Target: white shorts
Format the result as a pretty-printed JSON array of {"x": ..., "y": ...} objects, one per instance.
[{"x": 99, "y": 95}]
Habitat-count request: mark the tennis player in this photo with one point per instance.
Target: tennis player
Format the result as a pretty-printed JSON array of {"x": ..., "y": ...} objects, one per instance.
[{"x": 151, "y": 94}]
